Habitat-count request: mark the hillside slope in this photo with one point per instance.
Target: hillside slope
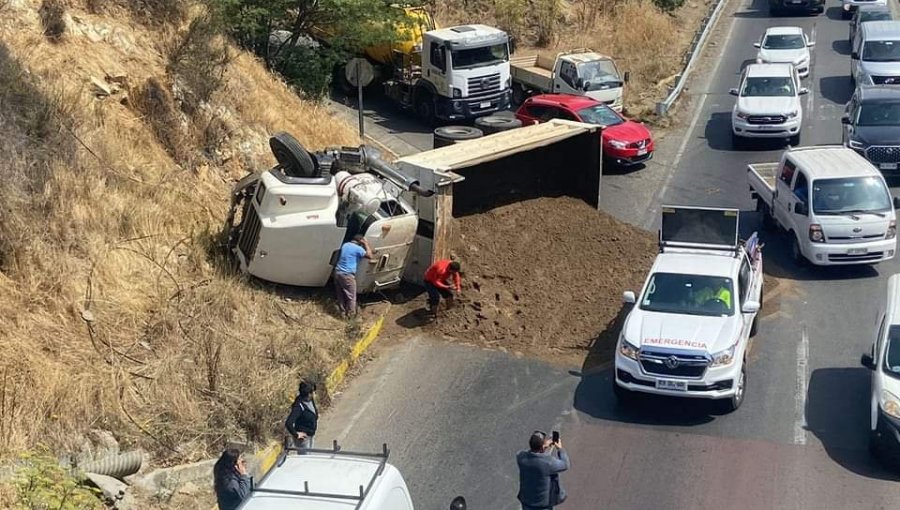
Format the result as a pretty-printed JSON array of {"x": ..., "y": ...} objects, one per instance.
[{"x": 117, "y": 311}]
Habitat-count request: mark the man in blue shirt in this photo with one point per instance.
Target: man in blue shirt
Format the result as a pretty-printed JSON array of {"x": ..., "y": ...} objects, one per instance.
[{"x": 345, "y": 272}]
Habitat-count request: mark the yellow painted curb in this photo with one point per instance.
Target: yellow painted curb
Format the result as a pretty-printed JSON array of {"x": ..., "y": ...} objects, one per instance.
[{"x": 337, "y": 375}]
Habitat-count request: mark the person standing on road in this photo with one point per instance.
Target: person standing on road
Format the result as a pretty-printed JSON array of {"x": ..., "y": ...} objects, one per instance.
[
  {"x": 230, "y": 479},
  {"x": 539, "y": 469},
  {"x": 437, "y": 282},
  {"x": 345, "y": 273},
  {"x": 304, "y": 418}
]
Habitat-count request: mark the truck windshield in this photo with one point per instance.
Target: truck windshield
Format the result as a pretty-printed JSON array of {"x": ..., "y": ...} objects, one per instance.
[
  {"x": 784, "y": 42},
  {"x": 850, "y": 195},
  {"x": 874, "y": 16},
  {"x": 689, "y": 294},
  {"x": 881, "y": 51},
  {"x": 879, "y": 114},
  {"x": 477, "y": 57},
  {"x": 892, "y": 352},
  {"x": 600, "y": 115},
  {"x": 778, "y": 86},
  {"x": 599, "y": 74}
]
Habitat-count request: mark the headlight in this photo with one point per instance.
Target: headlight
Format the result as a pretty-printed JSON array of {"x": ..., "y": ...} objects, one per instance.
[
  {"x": 891, "y": 231},
  {"x": 815, "y": 233},
  {"x": 722, "y": 358},
  {"x": 793, "y": 114},
  {"x": 855, "y": 144},
  {"x": 741, "y": 115},
  {"x": 618, "y": 144},
  {"x": 628, "y": 350},
  {"x": 890, "y": 404}
]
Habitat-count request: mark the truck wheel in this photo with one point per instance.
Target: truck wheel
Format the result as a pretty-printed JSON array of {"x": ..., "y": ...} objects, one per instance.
[
  {"x": 624, "y": 396},
  {"x": 796, "y": 253},
  {"x": 846, "y": 14},
  {"x": 495, "y": 123},
  {"x": 753, "y": 325},
  {"x": 425, "y": 108},
  {"x": 737, "y": 142},
  {"x": 519, "y": 95},
  {"x": 794, "y": 141},
  {"x": 449, "y": 135},
  {"x": 293, "y": 158},
  {"x": 765, "y": 215},
  {"x": 732, "y": 404}
]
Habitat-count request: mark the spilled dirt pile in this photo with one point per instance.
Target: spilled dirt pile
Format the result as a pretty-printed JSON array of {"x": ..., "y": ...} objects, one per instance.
[{"x": 545, "y": 275}]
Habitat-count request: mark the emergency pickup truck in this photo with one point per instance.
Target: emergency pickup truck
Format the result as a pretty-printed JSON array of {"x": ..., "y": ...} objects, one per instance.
[
  {"x": 580, "y": 72},
  {"x": 834, "y": 205},
  {"x": 688, "y": 332}
]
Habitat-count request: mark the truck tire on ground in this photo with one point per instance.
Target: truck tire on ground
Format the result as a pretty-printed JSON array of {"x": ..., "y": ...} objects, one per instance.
[
  {"x": 624, "y": 396},
  {"x": 796, "y": 253},
  {"x": 449, "y": 135},
  {"x": 768, "y": 223},
  {"x": 425, "y": 108},
  {"x": 291, "y": 155},
  {"x": 732, "y": 404},
  {"x": 519, "y": 94},
  {"x": 495, "y": 124},
  {"x": 794, "y": 141}
]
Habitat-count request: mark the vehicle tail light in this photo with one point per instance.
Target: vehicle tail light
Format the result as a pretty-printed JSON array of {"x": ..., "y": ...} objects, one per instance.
[
  {"x": 891, "y": 231},
  {"x": 815, "y": 233}
]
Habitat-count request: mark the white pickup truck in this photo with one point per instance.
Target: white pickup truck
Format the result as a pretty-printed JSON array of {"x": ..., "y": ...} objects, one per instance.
[
  {"x": 689, "y": 330},
  {"x": 580, "y": 72},
  {"x": 834, "y": 205}
]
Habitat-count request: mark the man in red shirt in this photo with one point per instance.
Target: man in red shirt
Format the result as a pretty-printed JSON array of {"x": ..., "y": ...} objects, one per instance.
[{"x": 437, "y": 282}]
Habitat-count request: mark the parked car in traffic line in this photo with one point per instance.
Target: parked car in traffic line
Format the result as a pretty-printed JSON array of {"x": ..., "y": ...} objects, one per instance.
[
  {"x": 866, "y": 14},
  {"x": 834, "y": 205},
  {"x": 884, "y": 362},
  {"x": 848, "y": 6},
  {"x": 777, "y": 7},
  {"x": 875, "y": 54},
  {"x": 688, "y": 332},
  {"x": 871, "y": 125},
  {"x": 625, "y": 142},
  {"x": 785, "y": 45},
  {"x": 768, "y": 104}
]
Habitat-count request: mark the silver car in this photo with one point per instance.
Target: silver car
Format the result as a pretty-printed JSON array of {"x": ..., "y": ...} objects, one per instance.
[{"x": 868, "y": 13}]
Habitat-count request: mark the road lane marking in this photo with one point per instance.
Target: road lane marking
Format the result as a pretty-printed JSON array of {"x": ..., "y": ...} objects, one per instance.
[
  {"x": 810, "y": 103},
  {"x": 650, "y": 220},
  {"x": 800, "y": 397}
]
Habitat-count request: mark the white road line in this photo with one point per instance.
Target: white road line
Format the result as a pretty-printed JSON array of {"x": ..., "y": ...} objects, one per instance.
[
  {"x": 800, "y": 396},
  {"x": 810, "y": 99},
  {"x": 654, "y": 207}
]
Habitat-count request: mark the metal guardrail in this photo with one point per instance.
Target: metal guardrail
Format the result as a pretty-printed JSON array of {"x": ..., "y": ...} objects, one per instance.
[{"x": 690, "y": 57}]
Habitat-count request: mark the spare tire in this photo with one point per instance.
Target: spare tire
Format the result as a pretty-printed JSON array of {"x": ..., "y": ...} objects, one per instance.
[
  {"x": 495, "y": 123},
  {"x": 449, "y": 135},
  {"x": 295, "y": 161}
]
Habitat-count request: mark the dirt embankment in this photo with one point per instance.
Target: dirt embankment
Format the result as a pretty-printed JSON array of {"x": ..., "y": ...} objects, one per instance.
[{"x": 544, "y": 277}]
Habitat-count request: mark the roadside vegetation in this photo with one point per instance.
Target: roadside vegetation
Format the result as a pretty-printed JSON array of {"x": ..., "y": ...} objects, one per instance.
[{"x": 123, "y": 126}]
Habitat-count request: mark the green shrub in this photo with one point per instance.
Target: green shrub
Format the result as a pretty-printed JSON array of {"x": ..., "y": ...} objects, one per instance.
[
  {"x": 41, "y": 484},
  {"x": 668, "y": 5},
  {"x": 308, "y": 69},
  {"x": 52, "y": 13}
]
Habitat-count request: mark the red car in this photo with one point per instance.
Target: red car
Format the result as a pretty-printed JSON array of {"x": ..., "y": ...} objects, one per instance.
[{"x": 625, "y": 142}]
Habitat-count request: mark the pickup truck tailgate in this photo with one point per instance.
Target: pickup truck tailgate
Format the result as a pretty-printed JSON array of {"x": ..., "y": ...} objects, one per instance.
[{"x": 761, "y": 178}]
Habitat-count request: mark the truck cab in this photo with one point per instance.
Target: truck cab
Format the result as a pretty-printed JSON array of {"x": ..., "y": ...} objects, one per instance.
[
  {"x": 465, "y": 73},
  {"x": 580, "y": 72},
  {"x": 884, "y": 362},
  {"x": 689, "y": 329}
]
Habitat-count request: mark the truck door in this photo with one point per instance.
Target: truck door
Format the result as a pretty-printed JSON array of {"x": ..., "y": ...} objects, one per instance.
[
  {"x": 798, "y": 206},
  {"x": 747, "y": 285},
  {"x": 566, "y": 76},
  {"x": 436, "y": 67},
  {"x": 780, "y": 201}
]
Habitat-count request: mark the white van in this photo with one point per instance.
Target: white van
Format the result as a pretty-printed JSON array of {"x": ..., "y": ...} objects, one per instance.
[
  {"x": 875, "y": 54},
  {"x": 330, "y": 480},
  {"x": 884, "y": 362}
]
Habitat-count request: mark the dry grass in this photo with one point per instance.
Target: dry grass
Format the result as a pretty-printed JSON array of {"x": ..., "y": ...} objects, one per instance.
[
  {"x": 116, "y": 310},
  {"x": 644, "y": 40}
]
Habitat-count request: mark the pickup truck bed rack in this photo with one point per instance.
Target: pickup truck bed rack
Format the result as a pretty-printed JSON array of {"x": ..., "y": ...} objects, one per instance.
[{"x": 335, "y": 450}]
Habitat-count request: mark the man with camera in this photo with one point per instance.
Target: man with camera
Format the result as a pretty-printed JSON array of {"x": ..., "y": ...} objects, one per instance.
[{"x": 539, "y": 469}]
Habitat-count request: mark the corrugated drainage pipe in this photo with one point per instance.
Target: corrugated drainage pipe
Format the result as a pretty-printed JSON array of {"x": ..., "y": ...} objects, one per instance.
[{"x": 117, "y": 466}]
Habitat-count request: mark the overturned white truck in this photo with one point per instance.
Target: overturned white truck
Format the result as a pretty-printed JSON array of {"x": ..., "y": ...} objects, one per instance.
[{"x": 286, "y": 224}]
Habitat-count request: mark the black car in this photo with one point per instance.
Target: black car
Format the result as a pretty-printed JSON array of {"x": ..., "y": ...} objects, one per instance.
[
  {"x": 868, "y": 13},
  {"x": 779, "y": 6},
  {"x": 872, "y": 125}
]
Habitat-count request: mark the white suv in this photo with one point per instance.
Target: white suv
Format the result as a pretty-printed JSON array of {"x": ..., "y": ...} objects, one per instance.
[
  {"x": 884, "y": 362},
  {"x": 785, "y": 45},
  {"x": 768, "y": 104}
]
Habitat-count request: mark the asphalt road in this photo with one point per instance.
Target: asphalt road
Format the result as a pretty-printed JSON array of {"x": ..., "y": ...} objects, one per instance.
[{"x": 455, "y": 415}]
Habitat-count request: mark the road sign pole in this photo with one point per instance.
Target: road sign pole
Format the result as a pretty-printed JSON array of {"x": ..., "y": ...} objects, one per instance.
[{"x": 359, "y": 100}]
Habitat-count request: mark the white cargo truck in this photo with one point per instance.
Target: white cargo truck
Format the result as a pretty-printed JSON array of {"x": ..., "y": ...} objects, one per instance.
[
  {"x": 689, "y": 330},
  {"x": 834, "y": 205},
  {"x": 581, "y": 72}
]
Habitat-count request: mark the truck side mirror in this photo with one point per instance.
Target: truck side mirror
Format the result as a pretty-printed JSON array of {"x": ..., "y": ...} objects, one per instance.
[
  {"x": 733, "y": 92},
  {"x": 845, "y": 119},
  {"x": 896, "y": 202},
  {"x": 628, "y": 297},
  {"x": 867, "y": 361},
  {"x": 803, "y": 91},
  {"x": 626, "y": 77},
  {"x": 756, "y": 45},
  {"x": 854, "y": 55},
  {"x": 458, "y": 503},
  {"x": 810, "y": 44},
  {"x": 750, "y": 307},
  {"x": 801, "y": 208}
]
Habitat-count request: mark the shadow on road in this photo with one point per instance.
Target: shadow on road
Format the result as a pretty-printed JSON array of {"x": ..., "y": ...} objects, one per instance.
[
  {"x": 841, "y": 46},
  {"x": 837, "y": 413},
  {"x": 381, "y": 111},
  {"x": 718, "y": 137},
  {"x": 834, "y": 13},
  {"x": 836, "y": 89}
]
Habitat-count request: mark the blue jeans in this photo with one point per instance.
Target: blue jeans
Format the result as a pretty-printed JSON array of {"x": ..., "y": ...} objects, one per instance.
[{"x": 435, "y": 293}]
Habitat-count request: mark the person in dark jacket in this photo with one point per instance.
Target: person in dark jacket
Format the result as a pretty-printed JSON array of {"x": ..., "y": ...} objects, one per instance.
[
  {"x": 230, "y": 479},
  {"x": 301, "y": 423},
  {"x": 539, "y": 469}
]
